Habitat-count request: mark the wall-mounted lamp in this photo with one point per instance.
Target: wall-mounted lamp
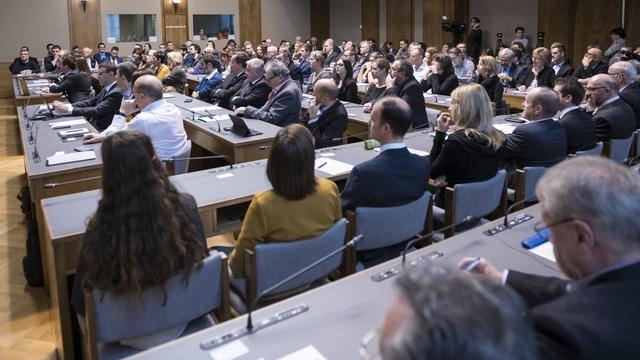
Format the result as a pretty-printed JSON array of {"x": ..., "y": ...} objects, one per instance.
[
  {"x": 175, "y": 5},
  {"x": 84, "y": 5}
]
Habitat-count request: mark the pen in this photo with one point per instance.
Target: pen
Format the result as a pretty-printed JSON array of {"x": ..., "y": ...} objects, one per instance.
[
  {"x": 321, "y": 165},
  {"x": 470, "y": 266}
]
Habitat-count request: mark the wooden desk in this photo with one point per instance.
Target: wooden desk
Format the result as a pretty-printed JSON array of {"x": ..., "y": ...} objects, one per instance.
[
  {"x": 34, "y": 97},
  {"x": 358, "y": 124},
  {"x": 514, "y": 98}
]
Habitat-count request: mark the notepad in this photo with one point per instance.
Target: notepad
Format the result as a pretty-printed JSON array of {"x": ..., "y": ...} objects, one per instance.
[
  {"x": 230, "y": 351},
  {"x": 68, "y": 123},
  {"x": 505, "y": 128},
  {"x": 66, "y": 158},
  {"x": 307, "y": 353},
  {"x": 545, "y": 250},
  {"x": 168, "y": 95},
  {"x": 332, "y": 167},
  {"x": 216, "y": 118},
  {"x": 205, "y": 108}
]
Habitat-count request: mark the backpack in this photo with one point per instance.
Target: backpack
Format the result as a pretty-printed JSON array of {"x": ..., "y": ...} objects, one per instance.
[{"x": 32, "y": 263}]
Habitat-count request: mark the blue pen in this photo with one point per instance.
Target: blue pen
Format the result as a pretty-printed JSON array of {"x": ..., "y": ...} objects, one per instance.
[
  {"x": 470, "y": 266},
  {"x": 323, "y": 164}
]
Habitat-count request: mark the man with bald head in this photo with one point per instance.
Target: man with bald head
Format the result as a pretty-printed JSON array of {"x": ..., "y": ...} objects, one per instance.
[
  {"x": 542, "y": 141},
  {"x": 624, "y": 74},
  {"x": 327, "y": 117},
  {"x": 614, "y": 119},
  {"x": 592, "y": 64},
  {"x": 157, "y": 118}
]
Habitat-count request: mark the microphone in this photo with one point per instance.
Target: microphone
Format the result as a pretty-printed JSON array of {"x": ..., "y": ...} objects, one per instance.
[
  {"x": 34, "y": 140},
  {"x": 249, "y": 328},
  {"x": 71, "y": 182},
  {"x": 50, "y": 114},
  {"x": 506, "y": 224},
  {"x": 514, "y": 205},
  {"x": 214, "y": 118},
  {"x": 442, "y": 229}
]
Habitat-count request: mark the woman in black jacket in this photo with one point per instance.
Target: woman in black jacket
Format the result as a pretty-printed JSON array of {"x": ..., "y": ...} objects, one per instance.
[
  {"x": 539, "y": 73},
  {"x": 347, "y": 87},
  {"x": 487, "y": 72},
  {"x": 440, "y": 77}
]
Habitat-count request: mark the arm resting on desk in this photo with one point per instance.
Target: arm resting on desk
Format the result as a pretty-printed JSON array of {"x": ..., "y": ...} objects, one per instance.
[{"x": 536, "y": 289}]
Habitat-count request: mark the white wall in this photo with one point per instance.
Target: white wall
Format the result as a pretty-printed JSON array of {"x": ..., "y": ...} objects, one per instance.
[
  {"x": 33, "y": 23},
  {"x": 510, "y": 14},
  {"x": 346, "y": 20},
  {"x": 284, "y": 19}
]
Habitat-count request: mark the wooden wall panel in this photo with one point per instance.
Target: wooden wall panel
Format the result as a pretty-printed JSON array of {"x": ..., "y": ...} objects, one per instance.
[
  {"x": 594, "y": 21},
  {"x": 175, "y": 21},
  {"x": 6, "y": 82},
  {"x": 85, "y": 27},
  {"x": 632, "y": 22},
  {"x": 320, "y": 19},
  {"x": 251, "y": 21},
  {"x": 399, "y": 20},
  {"x": 556, "y": 19},
  {"x": 371, "y": 20}
]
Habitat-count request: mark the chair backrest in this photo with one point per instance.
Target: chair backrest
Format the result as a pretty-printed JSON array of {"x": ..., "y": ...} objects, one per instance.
[
  {"x": 112, "y": 317},
  {"x": 595, "y": 151},
  {"x": 620, "y": 149},
  {"x": 182, "y": 166},
  {"x": 376, "y": 223},
  {"x": 526, "y": 181},
  {"x": 478, "y": 199},
  {"x": 635, "y": 147},
  {"x": 432, "y": 115},
  {"x": 275, "y": 261}
]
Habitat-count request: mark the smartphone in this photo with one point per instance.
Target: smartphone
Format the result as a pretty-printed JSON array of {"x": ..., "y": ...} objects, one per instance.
[
  {"x": 188, "y": 100},
  {"x": 82, "y": 148}
]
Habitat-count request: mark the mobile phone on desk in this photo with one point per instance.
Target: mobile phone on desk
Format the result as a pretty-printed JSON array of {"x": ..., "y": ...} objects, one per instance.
[
  {"x": 188, "y": 100},
  {"x": 82, "y": 148}
]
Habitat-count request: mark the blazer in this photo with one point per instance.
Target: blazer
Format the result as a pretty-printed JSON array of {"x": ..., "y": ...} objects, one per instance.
[
  {"x": 282, "y": 109},
  {"x": 305, "y": 67},
  {"x": 100, "y": 110},
  {"x": 176, "y": 78},
  {"x": 349, "y": 91},
  {"x": 514, "y": 73},
  {"x": 537, "y": 143},
  {"x": 394, "y": 177},
  {"x": 331, "y": 124},
  {"x": 565, "y": 70},
  {"x": 18, "y": 66},
  {"x": 233, "y": 82},
  {"x": 440, "y": 84},
  {"x": 614, "y": 121},
  {"x": 494, "y": 89},
  {"x": 48, "y": 63},
  {"x": 333, "y": 56},
  {"x": 252, "y": 93},
  {"x": 74, "y": 85},
  {"x": 411, "y": 92},
  {"x": 101, "y": 56},
  {"x": 206, "y": 85},
  {"x": 593, "y": 69},
  {"x": 295, "y": 73},
  {"x": 631, "y": 95},
  {"x": 546, "y": 77},
  {"x": 118, "y": 60},
  {"x": 580, "y": 130},
  {"x": 595, "y": 320}
]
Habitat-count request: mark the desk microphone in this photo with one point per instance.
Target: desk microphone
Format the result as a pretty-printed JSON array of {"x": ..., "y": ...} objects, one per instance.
[
  {"x": 442, "y": 229},
  {"x": 514, "y": 205},
  {"x": 50, "y": 112},
  {"x": 225, "y": 157},
  {"x": 506, "y": 224},
  {"x": 214, "y": 118},
  {"x": 34, "y": 138}
]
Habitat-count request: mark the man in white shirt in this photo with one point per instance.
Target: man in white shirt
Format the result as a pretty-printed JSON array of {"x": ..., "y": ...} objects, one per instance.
[{"x": 417, "y": 61}]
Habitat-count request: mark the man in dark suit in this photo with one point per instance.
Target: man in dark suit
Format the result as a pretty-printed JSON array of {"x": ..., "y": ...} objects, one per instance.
[
  {"x": 559, "y": 61},
  {"x": 394, "y": 177},
  {"x": 255, "y": 90},
  {"x": 24, "y": 64},
  {"x": 328, "y": 116},
  {"x": 74, "y": 85},
  {"x": 592, "y": 64},
  {"x": 114, "y": 58},
  {"x": 283, "y": 106},
  {"x": 333, "y": 52},
  {"x": 48, "y": 60},
  {"x": 211, "y": 67},
  {"x": 542, "y": 141},
  {"x": 625, "y": 75},
  {"x": 102, "y": 54},
  {"x": 614, "y": 119},
  {"x": 509, "y": 69},
  {"x": 577, "y": 124},
  {"x": 595, "y": 314},
  {"x": 99, "y": 110},
  {"x": 294, "y": 71},
  {"x": 233, "y": 82},
  {"x": 409, "y": 89}
]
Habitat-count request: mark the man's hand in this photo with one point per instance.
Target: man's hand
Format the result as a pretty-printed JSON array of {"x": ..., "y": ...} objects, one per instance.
[
  {"x": 60, "y": 106},
  {"x": 93, "y": 138},
  {"x": 367, "y": 107},
  {"x": 45, "y": 90},
  {"x": 194, "y": 94},
  {"x": 483, "y": 268},
  {"x": 240, "y": 110},
  {"x": 128, "y": 107}
]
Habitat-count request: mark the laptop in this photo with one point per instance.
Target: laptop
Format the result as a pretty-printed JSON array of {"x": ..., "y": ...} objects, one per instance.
[{"x": 240, "y": 127}]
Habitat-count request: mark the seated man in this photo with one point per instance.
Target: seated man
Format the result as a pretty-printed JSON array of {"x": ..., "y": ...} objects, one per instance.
[
  {"x": 590, "y": 206},
  {"x": 624, "y": 73},
  {"x": 255, "y": 90},
  {"x": 24, "y": 64},
  {"x": 559, "y": 62},
  {"x": 328, "y": 117},
  {"x": 48, "y": 60},
  {"x": 332, "y": 51},
  {"x": 577, "y": 124},
  {"x": 233, "y": 82},
  {"x": 283, "y": 106},
  {"x": 487, "y": 323},
  {"x": 75, "y": 85},
  {"x": 115, "y": 59},
  {"x": 294, "y": 71},
  {"x": 592, "y": 64},
  {"x": 102, "y": 54},
  {"x": 510, "y": 70},
  {"x": 614, "y": 119},
  {"x": 160, "y": 120},
  {"x": 542, "y": 141},
  {"x": 464, "y": 68},
  {"x": 99, "y": 110},
  {"x": 211, "y": 67},
  {"x": 409, "y": 89}
]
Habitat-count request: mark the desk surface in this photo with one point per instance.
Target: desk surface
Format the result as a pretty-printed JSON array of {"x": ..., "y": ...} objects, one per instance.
[{"x": 341, "y": 313}]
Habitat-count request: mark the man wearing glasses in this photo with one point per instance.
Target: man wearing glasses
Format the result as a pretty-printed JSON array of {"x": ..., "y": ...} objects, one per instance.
[
  {"x": 614, "y": 119},
  {"x": 590, "y": 206},
  {"x": 624, "y": 74}
]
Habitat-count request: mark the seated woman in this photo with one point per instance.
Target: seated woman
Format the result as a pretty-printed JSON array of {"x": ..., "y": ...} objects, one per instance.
[
  {"x": 347, "y": 87},
  {"x": 474, "y": 151},
  {"x": 440, "y": 77},
  {"x": 487, "y": 71},
  {"x": 300, "y": 206},
  {"x": 539, "y": 73},
  {"x": 176, "y": 81},
  {"x": 317, "y": 70},
  {"x": 143, "y": 232},
  {"x": 380, "y": 70}
]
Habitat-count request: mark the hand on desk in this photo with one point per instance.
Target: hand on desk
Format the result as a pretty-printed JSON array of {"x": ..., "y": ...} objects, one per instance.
[
  {"x": 367, "y": 107},
  {"x": 45, "y": 90},
  {"x": 240, "y": 110},
  {"x": 93, "y": 138},
  {"x": 60, "y": 106},
  {"x": 483, "y": 268}
]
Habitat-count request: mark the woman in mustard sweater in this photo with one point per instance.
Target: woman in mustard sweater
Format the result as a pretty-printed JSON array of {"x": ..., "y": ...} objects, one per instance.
[{"x": 300, "y": 206}]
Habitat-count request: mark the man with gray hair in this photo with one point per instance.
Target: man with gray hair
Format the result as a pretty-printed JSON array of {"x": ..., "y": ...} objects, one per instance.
[
  {"x": 327, "y": 116},
  {"x": 284, "y": 102},
  {"x": 542, "y": 141},
  {"x": 333, "y": 52},
  {"x": 365, "y": 48},
  {"x": 447, "y": 314},
  {"x": 614, "y": 119},
  {"x": 509, "y": 69},
  {"x": 624, "y": 74},
  {"x": 590, "y": 206},
  {"x": 255, "y": 90}
]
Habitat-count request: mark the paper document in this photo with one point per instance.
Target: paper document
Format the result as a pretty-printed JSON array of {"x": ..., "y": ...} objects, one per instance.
[
  {"x": 168, "y": 95},
  {"x": 60, "y": 159},
  {"x": 418, "y": 152},
  {"x": 68, "y": 123},
  {"x": 306, "y": 353},
  {"x": 220, "y": 117},
  {"x": 505, "y": 128},
  {"x": 332, "y": 167},
  {"x": 545, "y": 250},
  {"x": 230, "y": 351},
  {"x": 205, "y": 108}
]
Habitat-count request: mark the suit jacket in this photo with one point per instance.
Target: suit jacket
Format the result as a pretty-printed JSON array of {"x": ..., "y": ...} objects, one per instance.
[
  {"x": 233, "y": 82},
  {"x": 595, "y": 320},
  {"x": 411, "y": 92},
  {"x": 494, "y": 89},
  {"x": 349, "y": 91},
  {"x": 252, "y": 94},
  {"x": 514, "y": 73},
  {"x": 176, "y": 78},
  {"x": 101, "y": 56},
  {"x": 17, "y": 66},
  {"x": 593, "y": 69},
  {"x": 117, "y": 59},
  {"x": 74, "y": 85},
  {"x": 394, "y": 177},
  {"x": 296, "y": 74},
  {"x": 331, "y": 124},
  {"x": 358, "y": 65},
  {"x": 580, "y": 130},
  {"x": 282, "y": 109},
  {"x": 631, "y": 95},
  {"x": 100, "y": 110},
  {"x": 333, "y": 56},
  {"x": 546, "y": 77},
  {"x": 206, "y": 85},
  {"x": 190, "y": 61},
  {"x": 565, "y": 70},
  {"x": 48, "y": 63},
  {"x": 614, "y": 121},
  {"x": 440, "y": 84},
  {"x": 537, "y": 143}
]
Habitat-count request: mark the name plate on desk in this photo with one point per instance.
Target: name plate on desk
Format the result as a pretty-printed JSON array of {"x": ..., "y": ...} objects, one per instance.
[
  {"x": 205, "y": 108},
  {"x": 67, "y": 124},
  {"x": 70, "y": 158}
]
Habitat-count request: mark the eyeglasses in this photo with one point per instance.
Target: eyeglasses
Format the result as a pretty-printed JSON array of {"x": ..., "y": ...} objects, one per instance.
[
  {"x": 543, "y": 230},
  {"x": 370, "y": 345},
  {"x": 594, "y": 89}
]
